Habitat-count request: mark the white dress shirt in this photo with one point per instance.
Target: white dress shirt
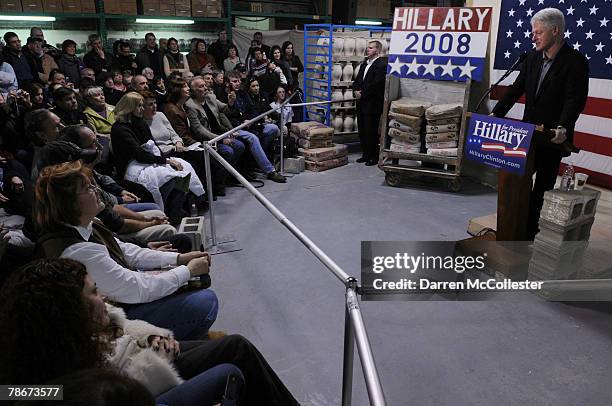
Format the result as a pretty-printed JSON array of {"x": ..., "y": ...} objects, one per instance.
[
  {"x": 124, "y": 285},
  {"x": 368, "y": 64}
]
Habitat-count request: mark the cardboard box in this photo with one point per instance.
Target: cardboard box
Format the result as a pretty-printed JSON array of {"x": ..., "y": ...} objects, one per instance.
[
  {"x": 88, "y": 6},
  {"x": 10, "y": 5},
  {"x": 213, "y": 11},
  {"x": 71, "y": 6},
  {"x": 150, "y": 8},
  {"x": 183, "y": 3},
  {"x": 53, "y": 6},
  {"x": 32, "y": 6},
  {"x": 167, "y": 9},
  {"x": 129, "y": 8},
  {"x": 183, "y": 11}
]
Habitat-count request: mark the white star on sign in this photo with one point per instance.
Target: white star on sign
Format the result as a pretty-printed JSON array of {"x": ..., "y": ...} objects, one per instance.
[
  {"x": 561, "y": 1},
  {"x": 527, "y": 34},
  {"x": 589, "y": 34},
  {"x": 517, "y": 44},
  {"x": 430, "y": 68},
  {"x": 600, "y": 47},
  {"x": 529, "y": 12},
  {"x": 587, "y": 57},
  {"x": 509, "y": 34},
  {"x": 522, "y": 2},
  {"x": 413, "y": 67},
  {"x": 593, "y": 10},
  {"x": 519, "y": 23},
  {"x": 580, "y": 22},
  {"x": 511, "y": 12},
  {"x": 604, "y": 22},
  {"x": 567, "y": 34},
  {"x": 570, "y": 10},
  {"x": 449, "y": 68},
  {"x": 396, "y": 66},
  {"x": 467, "y": 69},
  {"x": 577, "y": 46},
  {"x": 540, "y": 2},
  {"x": 609, "y": 60},
  {"x": 506, "y": 54}
]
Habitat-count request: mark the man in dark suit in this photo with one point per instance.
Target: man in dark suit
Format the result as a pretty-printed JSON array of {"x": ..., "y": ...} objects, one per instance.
[
  {"x": 369, "y": 90},
  {"x": 555, "y": 81}
]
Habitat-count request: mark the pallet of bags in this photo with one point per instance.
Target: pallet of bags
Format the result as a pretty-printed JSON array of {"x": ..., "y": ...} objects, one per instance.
[
  {"x": 405, "y": 147},
  {"x": 321, "y": 166},
  {"x": 312, "y": 130},
  {"x": 324, "y": 154},
  {"x": 443, "y": 122},
  {"x": 312, "y": 143}
]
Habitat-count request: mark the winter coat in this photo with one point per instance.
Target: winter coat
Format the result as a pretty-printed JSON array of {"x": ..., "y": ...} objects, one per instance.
[
  {"x": 71, "y": 66},
  {"x": 133, "y": 356},
  {"x": 100, "y": 124}
]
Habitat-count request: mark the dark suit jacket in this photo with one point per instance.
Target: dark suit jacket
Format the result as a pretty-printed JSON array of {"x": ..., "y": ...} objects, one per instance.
[
  {"x": 562, "y": 95},
  {"x": 372, "y": 87}
]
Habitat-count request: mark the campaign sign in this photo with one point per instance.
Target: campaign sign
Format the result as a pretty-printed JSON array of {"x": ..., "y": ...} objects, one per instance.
[
  {"x": 439, "y": 43},
  {"x": 500, "y": 143}
]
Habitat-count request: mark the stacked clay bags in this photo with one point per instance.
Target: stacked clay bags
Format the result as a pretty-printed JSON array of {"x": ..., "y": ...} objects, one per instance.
[
  {"x": 315, "y": 145},
  {"x": 442, "y": 130},
  {"x": 405, "y": 124}
]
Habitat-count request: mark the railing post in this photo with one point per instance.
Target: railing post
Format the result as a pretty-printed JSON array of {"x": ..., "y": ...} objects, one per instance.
[
  {"x": 209, "y": 193},
  {"x": 349, "y": 352}
]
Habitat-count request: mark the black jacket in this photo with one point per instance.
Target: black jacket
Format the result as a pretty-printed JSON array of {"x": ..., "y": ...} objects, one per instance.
[
  {"x": 127, "y": 139},
  {"x": 19, "y": 62},
  {"x": 92, "y": 60},
  {"x": 562, "y": 95},
  {"x": 372, "y": 87},
  {"x": 71, "y": 66},
  {"x": 123, "y": 63},
  {"x": 150, "y": 59}
]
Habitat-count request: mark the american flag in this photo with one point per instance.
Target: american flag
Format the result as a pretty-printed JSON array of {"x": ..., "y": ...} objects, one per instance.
[{"x": 588, "y": 29}]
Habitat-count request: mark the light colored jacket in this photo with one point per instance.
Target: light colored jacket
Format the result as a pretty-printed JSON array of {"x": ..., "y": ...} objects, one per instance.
[
  {"x": 100, "y": 124},
  {"x": 164, "y": 135},
  {"x": 133, "y": 356},
  {"x": 198, "y": 120},
  {"x": 8, "y": 79}
]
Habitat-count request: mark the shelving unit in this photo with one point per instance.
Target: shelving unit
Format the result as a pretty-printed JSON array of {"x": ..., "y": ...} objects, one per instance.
[{"x": 320, "y": 58}]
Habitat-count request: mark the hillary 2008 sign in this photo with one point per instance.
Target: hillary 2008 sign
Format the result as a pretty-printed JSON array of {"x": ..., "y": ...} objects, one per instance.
[
  {"x": 439, "y": 43},
  {"x": 500, "y": 143}
]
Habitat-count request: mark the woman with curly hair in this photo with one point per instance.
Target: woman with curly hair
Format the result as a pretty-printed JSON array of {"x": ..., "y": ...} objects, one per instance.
[{"x": 55, "y": 322}]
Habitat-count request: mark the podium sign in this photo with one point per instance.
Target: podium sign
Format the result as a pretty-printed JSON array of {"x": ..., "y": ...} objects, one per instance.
[
  {"x": 439, "y": 43},
  {"x": 498, "y": 142}
]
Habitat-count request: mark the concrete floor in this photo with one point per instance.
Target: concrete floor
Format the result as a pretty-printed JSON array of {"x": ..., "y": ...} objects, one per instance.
[{"x": 279, "y": 296}]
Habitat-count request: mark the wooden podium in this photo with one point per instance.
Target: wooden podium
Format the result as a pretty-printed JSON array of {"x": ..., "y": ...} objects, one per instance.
[{"x": 513, "y": 191}]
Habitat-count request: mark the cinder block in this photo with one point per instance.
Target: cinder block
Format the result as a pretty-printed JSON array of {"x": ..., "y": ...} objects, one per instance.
[
  {"x": 294, "y": 165},
  {"x": 195, "y": 228},
  {"x": 562, "y": 207}
]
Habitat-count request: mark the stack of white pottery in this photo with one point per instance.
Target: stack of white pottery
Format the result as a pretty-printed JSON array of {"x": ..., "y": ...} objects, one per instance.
[
  {"x": 348, "y": 124},
  {"x": 347, "y": 72}
]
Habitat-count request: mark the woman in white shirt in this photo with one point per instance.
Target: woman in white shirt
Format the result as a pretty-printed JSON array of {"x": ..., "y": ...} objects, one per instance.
[
  {"x": 67, "y": 203},
  {"x": 285, "y": 111}
]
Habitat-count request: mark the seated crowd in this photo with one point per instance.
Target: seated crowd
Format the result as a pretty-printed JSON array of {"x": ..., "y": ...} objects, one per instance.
[{"x": 101, "y": 156}]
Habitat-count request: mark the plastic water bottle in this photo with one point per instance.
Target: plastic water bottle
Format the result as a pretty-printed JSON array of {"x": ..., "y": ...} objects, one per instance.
[
  {"x": 194, "y": 210},
  {"x": 567, "y": 178}
]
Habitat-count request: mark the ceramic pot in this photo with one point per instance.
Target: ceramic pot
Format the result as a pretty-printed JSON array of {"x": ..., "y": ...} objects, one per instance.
[
  {"x": 348, "y": 124},
  {"x": 348, "y": 94},
  {"x": 337, "y": 96},
  {"x": 356, "y": 71},
  {"x": 349, "y": 46},
  {"x": 336, "y": 72},
  {"x": 337, "y": 123},
  {"x": 347, "y": 72},
  {"x": 337, "y": 45},
  {"x": 360, "y": 46}
]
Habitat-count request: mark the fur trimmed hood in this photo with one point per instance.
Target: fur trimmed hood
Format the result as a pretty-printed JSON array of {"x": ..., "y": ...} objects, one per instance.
[{"x": 134, "y": 357}]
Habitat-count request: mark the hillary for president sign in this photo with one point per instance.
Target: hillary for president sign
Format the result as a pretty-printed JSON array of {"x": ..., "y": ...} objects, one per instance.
[
  {"x": 500, "y": 143},
  {"x": 439, "y": 43}
]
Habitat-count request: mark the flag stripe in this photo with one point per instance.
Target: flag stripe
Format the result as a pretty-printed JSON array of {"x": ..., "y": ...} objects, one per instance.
[{"x": 593, "y": 143}]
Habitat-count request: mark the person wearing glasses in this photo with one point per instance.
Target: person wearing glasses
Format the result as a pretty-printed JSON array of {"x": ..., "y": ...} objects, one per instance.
[{"x": 66, "y": 205}]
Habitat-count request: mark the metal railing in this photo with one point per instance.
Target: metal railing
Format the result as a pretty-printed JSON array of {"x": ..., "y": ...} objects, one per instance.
[{"x": 354, "y": 326}]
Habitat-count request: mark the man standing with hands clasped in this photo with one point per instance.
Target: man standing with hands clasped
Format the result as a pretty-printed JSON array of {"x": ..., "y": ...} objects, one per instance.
[
  {"x": 555, "y": 81},
  {"x": 370, "y": 92}
]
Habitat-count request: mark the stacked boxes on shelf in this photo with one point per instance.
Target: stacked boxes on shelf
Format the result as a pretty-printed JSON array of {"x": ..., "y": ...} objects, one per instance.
[
  {"x": 565, "y": 227},
  {"x": 207, "y": 8},
  {"x": 315, "y": 145},
  {"x": 49, "y": 6},
  {"x": 127, "y": 7},
  {"x": 405, "y": 124},
  {"x": 442, "y": 130}
]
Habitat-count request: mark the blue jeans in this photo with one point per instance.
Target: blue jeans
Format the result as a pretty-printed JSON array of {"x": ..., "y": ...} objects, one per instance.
[
  {"x": 270, "y": 132},
  {"x": 206, "y": 388},
  {"x": 231, "y": 153},
  {"x": 256, "y": 150},
  {"x": 138, "y": 207},
  {"x": 189, "y": 315}
]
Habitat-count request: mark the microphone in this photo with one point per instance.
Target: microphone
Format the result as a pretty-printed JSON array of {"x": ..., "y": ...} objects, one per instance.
[{"x": 515, "y": 65}]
